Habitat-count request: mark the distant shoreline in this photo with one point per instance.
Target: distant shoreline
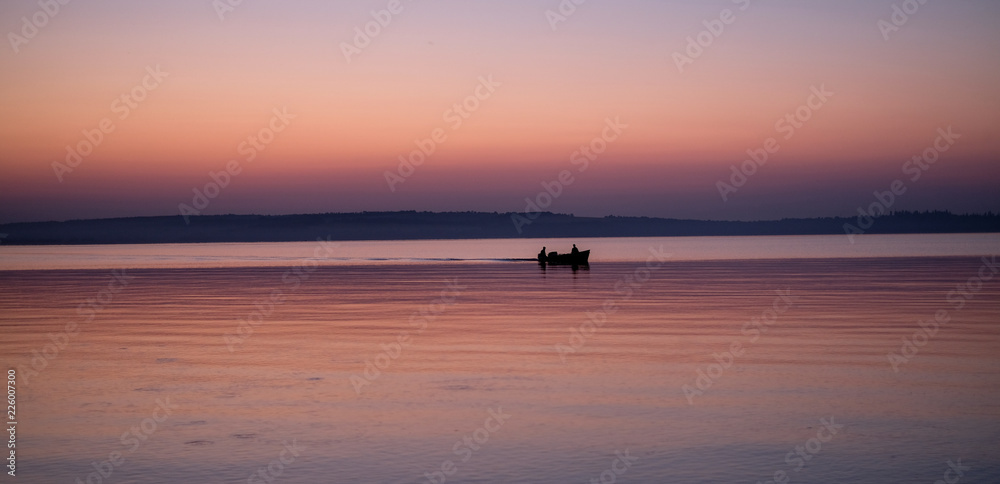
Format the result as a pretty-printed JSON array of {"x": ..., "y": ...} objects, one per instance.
[{"x": 460, "y": 225}]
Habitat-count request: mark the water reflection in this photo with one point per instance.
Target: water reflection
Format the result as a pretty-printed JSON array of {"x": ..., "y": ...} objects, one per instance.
[{"x": 630, "y": 345}]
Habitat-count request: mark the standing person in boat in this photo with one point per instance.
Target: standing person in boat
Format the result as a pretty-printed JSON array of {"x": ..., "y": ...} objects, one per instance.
[
  {"x": 575, "y": 251},
  {"x": 541, "y": 256}
]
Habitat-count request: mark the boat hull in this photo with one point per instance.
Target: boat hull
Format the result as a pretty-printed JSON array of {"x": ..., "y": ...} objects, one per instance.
[{"x": 581, "y": 258}]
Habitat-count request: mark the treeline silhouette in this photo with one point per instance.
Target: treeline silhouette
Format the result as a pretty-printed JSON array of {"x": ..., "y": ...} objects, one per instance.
[{"x": 412, "y": 225}]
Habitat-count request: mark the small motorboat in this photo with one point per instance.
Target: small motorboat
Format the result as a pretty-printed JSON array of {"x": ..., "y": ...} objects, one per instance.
[{"x": 572, "y": 259}]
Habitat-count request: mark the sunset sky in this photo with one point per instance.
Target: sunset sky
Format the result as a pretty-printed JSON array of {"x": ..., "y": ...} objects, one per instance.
[{"x": 554, "y": 90}]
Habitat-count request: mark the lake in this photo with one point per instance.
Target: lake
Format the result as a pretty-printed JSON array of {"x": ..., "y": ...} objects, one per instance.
[{"x": 702, "y": 359}]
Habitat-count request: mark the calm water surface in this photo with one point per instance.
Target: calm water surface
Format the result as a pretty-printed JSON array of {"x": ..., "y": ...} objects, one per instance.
[
  {"x": 506, "y": 337},
  {"x": 270, "y": 254}
]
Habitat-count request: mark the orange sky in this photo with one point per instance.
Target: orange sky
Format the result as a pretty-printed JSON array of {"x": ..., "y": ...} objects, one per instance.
[{"x": 557, "y": 88}]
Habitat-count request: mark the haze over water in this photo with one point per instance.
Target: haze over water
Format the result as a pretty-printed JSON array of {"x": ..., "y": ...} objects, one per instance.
[{"x": 509, "y": 338}]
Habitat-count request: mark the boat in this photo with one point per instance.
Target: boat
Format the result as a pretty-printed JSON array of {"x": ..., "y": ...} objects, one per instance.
[{"x": 581, "y": 258}]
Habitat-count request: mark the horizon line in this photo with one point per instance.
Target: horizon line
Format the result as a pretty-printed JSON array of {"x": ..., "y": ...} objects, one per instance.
[{"x": 988, "y": 213}]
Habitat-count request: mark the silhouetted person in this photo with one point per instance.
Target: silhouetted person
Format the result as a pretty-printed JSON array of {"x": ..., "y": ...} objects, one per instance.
[
  {"x": 575, "y": 251},
  {"x": 541, "y": 256}
]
